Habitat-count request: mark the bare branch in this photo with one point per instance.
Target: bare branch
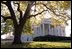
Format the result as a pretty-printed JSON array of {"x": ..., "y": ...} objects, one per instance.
[
  {"x": 11, "y": 11},
  {"x": 19, "y": 8},
  {"x": 66, "y": 23},
  {"x": 4, "y": 3},
  {"x": 5, "y": 18},
  {"x": 19, "y": 11},
  {"x": 69, "y": 18},
  {"x": 61, "y": 14},
  {"x": 8, "y": 4},
  {"x": 58, "y": 14},
  {"x": 38, "y": 13},
  {"x": 50, "y": 10},
  {"x": 27, "y": 12}
]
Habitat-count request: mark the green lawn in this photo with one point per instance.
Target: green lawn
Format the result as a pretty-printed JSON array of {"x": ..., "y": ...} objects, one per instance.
[{"x": 38, "y": 45}]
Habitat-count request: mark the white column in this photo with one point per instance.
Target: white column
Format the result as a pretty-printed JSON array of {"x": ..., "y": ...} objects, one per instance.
[
  {"x": 37, "y": 31},
  {"x": 49, "y": 30},
  {"x": 59, "y": 31},
  {"x": 40, "y": 30},
  {"x": 55, "y": 31},
  {"x": 43, "y": 30},
  {"x": 64, "y": 32}
]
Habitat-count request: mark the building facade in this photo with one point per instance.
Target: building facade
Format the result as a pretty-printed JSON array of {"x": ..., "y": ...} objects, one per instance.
[{"x": 46, "y": 28}]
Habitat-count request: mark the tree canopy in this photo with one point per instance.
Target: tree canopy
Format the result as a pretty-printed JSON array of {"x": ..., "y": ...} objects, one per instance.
[{"x": 23, "y": 13}]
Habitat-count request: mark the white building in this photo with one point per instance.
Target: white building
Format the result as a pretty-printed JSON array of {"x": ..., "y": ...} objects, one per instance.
[{"x": 45, "y": 28}]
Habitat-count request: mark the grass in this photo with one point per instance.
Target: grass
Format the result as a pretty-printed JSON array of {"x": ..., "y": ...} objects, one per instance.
[{"x": 38, "y": 45}]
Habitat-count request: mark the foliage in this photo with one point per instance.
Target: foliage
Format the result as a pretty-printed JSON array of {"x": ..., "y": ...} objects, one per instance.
[
  {"x": 8, "y": 26},
  {"x": 53, "y": 5},
  {"x": 20, "y": 11},
  {"x": 4, "y": 10},
  {"x": 23, "y": 5},
  {"x": 51, "y": 38},
  {"x": 27, "y": 27}
]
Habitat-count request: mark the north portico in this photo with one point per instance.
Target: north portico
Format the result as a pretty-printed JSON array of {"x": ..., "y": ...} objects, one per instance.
[{"x": 46, "y": 28}]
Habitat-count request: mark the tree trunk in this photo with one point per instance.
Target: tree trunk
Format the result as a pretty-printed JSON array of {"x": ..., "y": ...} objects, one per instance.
[
  {"x": 17, "y": 32},
  {"x": 19, "y": 27},
  {"x": 17, "y": 35}
]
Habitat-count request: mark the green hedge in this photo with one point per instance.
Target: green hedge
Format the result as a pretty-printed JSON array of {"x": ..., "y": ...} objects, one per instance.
[{"x": 51, "y": 38}]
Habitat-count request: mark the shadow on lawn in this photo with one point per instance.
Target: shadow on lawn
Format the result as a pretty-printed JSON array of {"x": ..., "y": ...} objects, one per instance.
[{"x": 9, "y": 45}]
